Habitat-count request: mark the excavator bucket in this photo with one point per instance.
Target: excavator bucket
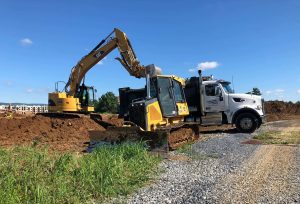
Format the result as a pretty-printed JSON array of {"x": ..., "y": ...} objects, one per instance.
[{"x": 155, "y": 141}]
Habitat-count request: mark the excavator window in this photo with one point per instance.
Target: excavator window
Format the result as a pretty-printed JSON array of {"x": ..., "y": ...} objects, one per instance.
[
  {"x": 86, "y": 95},
  {"x": 166, "y": 96},
  {"x": 91, "y": 96},
  {"x": 153, "y": 92},
  {"x": 178, "y": 92}
]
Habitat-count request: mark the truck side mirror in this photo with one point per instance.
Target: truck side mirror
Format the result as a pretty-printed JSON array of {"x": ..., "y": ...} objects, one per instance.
[
  {"x": 219, "y": 91},
  {"x": 221, "y": 97}
]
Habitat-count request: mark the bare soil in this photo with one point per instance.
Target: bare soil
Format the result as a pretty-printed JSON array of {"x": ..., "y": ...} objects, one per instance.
[
  {"x": 113, "y": 119},
  {"x": 279, "y": 110},
  {"x": 58, "y": 134},
  {"x": 72, "y": 134}
]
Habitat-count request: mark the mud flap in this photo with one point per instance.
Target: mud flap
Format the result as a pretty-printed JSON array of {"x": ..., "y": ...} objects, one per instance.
[{"x": 155, "y": 141}]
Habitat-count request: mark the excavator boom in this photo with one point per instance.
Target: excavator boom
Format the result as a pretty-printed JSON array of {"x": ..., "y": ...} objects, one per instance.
[
  {"x": 116, "y": 39},
  {"x": 77, "y": 97}
]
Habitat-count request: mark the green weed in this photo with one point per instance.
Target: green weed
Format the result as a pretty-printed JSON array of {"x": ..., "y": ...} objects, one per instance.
[
  {"x": 30, "y": 175},
  {"x": 279, "y": 137}
]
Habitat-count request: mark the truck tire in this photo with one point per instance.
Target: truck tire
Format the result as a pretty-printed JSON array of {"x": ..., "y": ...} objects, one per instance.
[{"x": 246, "y": 123}]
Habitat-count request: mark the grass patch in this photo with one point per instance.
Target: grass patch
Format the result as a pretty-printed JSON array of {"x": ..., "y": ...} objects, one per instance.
[
  {"x": 279, "y": 137},
  {"x": 188, "y": 150},
  {"x": 30, "y": 175}
]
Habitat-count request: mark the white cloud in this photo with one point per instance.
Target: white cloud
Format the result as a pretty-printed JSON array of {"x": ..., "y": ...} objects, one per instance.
[
  {"x": 26, "y": 42},
  {"x": 208, "y": 65},
  {"x": 268, "y": 92},
  {"x": 298, "y": 91},
  {"x": 275, "y": 92},
  {"x": 29, "y": 90},
  {"x": 192, "y": 70},
  {"x": 101, "y": 61},
  {"x": 279, "y": 90}
]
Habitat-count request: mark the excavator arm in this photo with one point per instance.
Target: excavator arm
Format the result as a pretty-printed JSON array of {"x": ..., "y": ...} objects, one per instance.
[{"x": 116, "y": 39}]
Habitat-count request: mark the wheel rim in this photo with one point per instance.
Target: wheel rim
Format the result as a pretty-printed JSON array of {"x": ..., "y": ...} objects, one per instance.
[{"x": 246, "y": 123}]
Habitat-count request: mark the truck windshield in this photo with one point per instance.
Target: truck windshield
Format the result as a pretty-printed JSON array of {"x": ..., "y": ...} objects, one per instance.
[{"x": 227, "y": 87}]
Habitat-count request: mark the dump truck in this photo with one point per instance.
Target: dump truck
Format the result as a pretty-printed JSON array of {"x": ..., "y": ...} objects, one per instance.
[
  {"x": 210, "y": 102},
  {"x": 213, "y": 102}
]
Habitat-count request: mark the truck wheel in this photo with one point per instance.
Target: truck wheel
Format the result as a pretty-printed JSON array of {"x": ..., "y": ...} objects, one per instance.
[{"x": 246, "y": 123}]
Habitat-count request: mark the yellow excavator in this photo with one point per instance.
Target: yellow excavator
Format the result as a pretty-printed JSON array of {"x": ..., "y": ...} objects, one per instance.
[
  {"x": 156, "y": 114},
  {"x": 77, "y": 97}
]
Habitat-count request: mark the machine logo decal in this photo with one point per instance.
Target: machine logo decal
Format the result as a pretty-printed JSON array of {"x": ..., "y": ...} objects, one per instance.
[{"x": 212, "y": 102}]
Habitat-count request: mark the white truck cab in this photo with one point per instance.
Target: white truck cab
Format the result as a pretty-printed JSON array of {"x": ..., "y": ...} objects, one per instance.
[{"x": 213, "y": 102}]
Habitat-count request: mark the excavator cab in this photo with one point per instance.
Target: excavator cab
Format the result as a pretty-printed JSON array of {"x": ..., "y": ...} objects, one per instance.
[
  {"x": 168, "y": 91},
  {"x": 86, "y": 95},
  {"x": 83, "y": 102},
  {"x": 159, "y": 104}
]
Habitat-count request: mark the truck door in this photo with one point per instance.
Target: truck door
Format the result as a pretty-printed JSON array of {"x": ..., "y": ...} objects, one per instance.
[
  {"x": 214, "y": 98},
  {"x": 165, "y": 97}
]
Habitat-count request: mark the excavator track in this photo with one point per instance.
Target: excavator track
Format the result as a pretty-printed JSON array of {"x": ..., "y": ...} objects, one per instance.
[
  {"x": 161, "y": 140},
  {"x": 183, "y": 135}
]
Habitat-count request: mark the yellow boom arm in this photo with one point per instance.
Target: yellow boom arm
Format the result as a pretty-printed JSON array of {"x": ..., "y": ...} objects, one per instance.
[{"x": 116, "y": 39}]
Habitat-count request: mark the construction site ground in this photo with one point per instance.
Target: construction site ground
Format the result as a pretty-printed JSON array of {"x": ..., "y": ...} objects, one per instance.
[
  {"x": 71, "y": 135},
  {"x": 223, "y": 168},
  {"x": 57, "y": 134}
]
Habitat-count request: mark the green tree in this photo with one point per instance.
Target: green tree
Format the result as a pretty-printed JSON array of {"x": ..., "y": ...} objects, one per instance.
[
  {"x": 255, "y": 91},
  {"x": 107, "y": 103}
]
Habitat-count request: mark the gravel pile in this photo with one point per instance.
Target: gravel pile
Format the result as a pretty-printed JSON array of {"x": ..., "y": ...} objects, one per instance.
[{"x": 192, "y": 181}]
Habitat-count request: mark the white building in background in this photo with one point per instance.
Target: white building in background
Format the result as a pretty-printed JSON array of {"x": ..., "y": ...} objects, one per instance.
[{"x": 25, "y": 109}]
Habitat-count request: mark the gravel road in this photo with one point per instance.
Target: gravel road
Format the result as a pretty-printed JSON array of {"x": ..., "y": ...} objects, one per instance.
[{"x": 220, "y": 169}]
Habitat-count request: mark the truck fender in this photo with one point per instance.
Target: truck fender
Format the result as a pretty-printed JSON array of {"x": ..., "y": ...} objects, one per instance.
[{"x": 246, "y": 110}]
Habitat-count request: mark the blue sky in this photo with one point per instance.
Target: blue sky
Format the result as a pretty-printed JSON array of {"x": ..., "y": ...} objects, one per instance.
[{"x": 255, "y": 41}]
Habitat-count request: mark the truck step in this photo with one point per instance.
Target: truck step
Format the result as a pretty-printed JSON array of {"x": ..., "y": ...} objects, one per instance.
[{"x": 212, "y": 119}]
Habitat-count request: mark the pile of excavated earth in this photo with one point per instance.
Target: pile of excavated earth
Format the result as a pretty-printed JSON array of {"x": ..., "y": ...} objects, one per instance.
[
  {"x": 58, "y": 134},
  {"x": 279, "y": 110},
  {"x": 71, "y": 135}
]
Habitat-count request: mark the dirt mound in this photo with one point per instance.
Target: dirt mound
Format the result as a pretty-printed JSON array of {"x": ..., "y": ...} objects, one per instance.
[
  {"x": 58, "y": 134},
  {"x": 281, "y": 107},
  {"x": 112, "y": 119},
  {"x": 280, "y": 110}
]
